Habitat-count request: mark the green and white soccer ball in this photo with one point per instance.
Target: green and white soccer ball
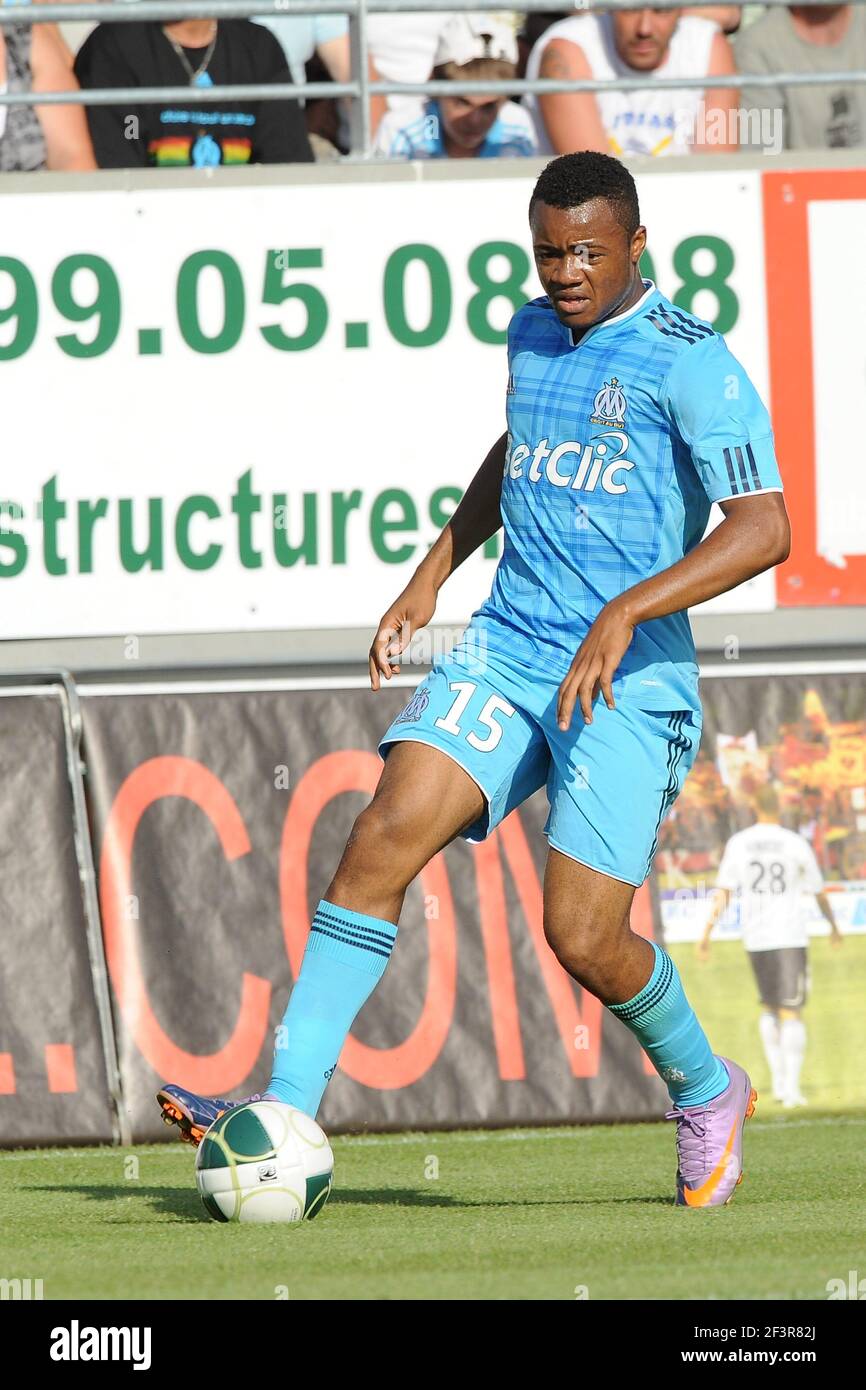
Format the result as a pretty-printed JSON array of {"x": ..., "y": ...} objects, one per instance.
[{"x": 264, "y": 1161}]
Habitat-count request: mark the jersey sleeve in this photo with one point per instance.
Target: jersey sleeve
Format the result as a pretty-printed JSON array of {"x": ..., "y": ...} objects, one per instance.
[
  {"x": 715, "y": 408},
  {"x": 730, "y": 873},
  {"x": 811, "y": 878}
]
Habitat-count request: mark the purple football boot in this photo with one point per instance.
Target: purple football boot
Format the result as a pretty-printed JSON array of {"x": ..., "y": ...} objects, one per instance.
[
  {"x": 710, "y": 1142},
  {"x": 194, "y": 1114}
]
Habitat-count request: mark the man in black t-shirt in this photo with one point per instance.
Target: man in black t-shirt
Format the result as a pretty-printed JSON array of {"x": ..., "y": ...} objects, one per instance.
[{"x": 199, "y": 53}]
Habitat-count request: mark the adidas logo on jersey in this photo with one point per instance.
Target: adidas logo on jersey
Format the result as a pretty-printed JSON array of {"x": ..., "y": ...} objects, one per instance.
[{"x": 581, "y": 467}]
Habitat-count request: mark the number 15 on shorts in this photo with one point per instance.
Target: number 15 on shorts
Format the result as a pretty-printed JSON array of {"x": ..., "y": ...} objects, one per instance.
[{"x": 494, "y": 706}]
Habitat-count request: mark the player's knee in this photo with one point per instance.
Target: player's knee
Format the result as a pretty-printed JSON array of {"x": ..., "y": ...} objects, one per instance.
[
  {"x": 377, "y": 842},
  {"x": 577, "y": 941}
]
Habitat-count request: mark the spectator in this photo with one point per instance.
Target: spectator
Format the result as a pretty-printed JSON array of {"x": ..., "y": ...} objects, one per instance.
[
  {"x": 33, "y": 57},
  {"x": 304, "y": 37},
  {"x": 530, "y": 31},
  {"x": 657, "y": 43},
  {"x": 198, "y": 53},
  {"x": 326, "y": 127},
  {"x": 806, "y": 38},
  {"x": 403, "y": 48},
  {"x": 728, "y": 18},
  {"x": 477, "y": 48}
]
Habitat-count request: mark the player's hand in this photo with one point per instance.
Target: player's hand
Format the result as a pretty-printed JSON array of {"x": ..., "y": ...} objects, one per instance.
[
  {"x": 595, "y": 664},
  {"x": 412, "y": 611},
  {"x": 702, "y": 951},
  {"x": 836, "y": 939}
]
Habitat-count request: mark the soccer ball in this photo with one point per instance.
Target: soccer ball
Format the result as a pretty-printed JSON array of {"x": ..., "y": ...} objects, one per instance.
[{"x": 264, "y": 1161}]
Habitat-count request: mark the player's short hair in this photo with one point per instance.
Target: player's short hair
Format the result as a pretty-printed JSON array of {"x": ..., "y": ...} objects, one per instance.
[
  {"x": 767, "y": 800},
  {"x": 573, "y": 179}
]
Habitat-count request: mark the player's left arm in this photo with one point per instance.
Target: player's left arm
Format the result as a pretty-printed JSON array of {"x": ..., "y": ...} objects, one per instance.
[
  {"x": 721, "y": 899},
  {"x": 827, "y": 913},
  {"x": 719, "y": 415},
  {"x": 812, "y": 881}
]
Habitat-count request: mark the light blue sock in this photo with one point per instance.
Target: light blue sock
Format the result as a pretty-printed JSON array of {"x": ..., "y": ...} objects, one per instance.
[
  {"x": 665, "y": 1025},
  {"x": 344, "y": 960}
]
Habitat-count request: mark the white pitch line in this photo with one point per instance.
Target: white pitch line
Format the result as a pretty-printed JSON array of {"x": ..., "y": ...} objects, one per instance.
[{"x": 378, "y": 1141}]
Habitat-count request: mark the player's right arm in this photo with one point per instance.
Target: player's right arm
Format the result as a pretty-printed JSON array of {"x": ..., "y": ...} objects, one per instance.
[
  {"x": 728, "y": 882},
  {"x": 720, "y": 900},
  {"x": 475, "y": 520}
]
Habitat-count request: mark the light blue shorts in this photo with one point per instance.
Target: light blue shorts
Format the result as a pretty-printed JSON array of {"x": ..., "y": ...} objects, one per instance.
[{"x": 610, "y": 783}]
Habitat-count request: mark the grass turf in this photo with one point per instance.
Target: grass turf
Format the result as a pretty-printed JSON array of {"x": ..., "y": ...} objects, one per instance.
[{"x": 516, "y": 1214}]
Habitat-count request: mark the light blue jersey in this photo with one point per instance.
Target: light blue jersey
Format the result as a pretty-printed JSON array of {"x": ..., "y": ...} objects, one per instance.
[{"x": 616, "y": 448}]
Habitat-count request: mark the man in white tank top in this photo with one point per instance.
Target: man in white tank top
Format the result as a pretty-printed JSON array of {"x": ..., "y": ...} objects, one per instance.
[{"x": 630, "y": 43}]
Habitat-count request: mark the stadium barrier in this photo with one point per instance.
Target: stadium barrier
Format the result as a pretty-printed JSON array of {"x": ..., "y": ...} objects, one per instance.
[
  {"x": 218, "y": 813},
  {"x": 359, "y": 88}
]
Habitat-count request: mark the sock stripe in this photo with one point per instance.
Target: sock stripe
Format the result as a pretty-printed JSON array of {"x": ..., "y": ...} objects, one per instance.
[
  {"x": 346, "y": 924},
  {"x": 346, "y": 940},
  {"x": 651, "y": 995},
  {"x": 665, "y": 1025},
  {"x": 659, "y": 990}
]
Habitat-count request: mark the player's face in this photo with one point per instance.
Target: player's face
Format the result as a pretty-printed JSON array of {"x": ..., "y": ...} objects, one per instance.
[
  {"x": 642, "y": 36},
  {"x": 586, "y": 261},
  {"x": 468, "y": 119}
]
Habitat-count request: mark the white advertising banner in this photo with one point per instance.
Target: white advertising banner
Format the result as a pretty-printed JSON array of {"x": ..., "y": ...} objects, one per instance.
[{"x": 255, "y": 408}]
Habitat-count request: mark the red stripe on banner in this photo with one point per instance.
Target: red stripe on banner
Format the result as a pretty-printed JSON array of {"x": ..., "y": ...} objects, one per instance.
[
  {"x": 386, "y": 1069},
  {"x": 60, "y": 1066},
  {"x": 806, "y": 577},
  {"x": 579, "y": 1028},
  {"x": 7, "y": 1074},
  {"x": 504, "y": 1008},
  {"x": 217, "y": 1072}
]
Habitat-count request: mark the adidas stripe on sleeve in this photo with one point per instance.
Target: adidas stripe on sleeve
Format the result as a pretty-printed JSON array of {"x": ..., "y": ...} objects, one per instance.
[{"x": 710, "y": 399}]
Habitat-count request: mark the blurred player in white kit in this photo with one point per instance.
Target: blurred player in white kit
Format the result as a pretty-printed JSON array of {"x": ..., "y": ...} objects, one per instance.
[{"x": 771, "y": 871}]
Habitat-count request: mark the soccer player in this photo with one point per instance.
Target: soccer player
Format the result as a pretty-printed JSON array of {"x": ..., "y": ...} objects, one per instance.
[
  {"x": 626, "y": 419},
  {"x": 770, "y": 871}
]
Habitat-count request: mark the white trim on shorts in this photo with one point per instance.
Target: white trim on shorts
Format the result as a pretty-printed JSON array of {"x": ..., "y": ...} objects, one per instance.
[
  {"x": 428, "y": 743},
  {"x": 617, "y": 878}
]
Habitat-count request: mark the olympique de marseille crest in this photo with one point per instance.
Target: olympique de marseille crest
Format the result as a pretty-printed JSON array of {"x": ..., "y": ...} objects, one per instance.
[{"x": 609, "y": 405}]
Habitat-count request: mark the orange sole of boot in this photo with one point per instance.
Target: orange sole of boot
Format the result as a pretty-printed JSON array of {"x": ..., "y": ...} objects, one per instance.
[{"x": 189, "y": 1133}]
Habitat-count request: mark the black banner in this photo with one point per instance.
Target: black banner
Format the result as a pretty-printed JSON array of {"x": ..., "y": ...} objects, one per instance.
[
  {"x": 219, "y": 819},
  {"x": 52, "y": 1076}
]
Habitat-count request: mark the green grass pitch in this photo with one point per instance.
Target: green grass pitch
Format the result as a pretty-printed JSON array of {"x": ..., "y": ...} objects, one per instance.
[
  {"x": 526, "y": 1214},
  {"x": 511, "y": 1215}
]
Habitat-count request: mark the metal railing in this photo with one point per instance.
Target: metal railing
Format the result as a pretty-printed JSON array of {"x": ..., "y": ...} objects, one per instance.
[{"x": 359, "y": 89}]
